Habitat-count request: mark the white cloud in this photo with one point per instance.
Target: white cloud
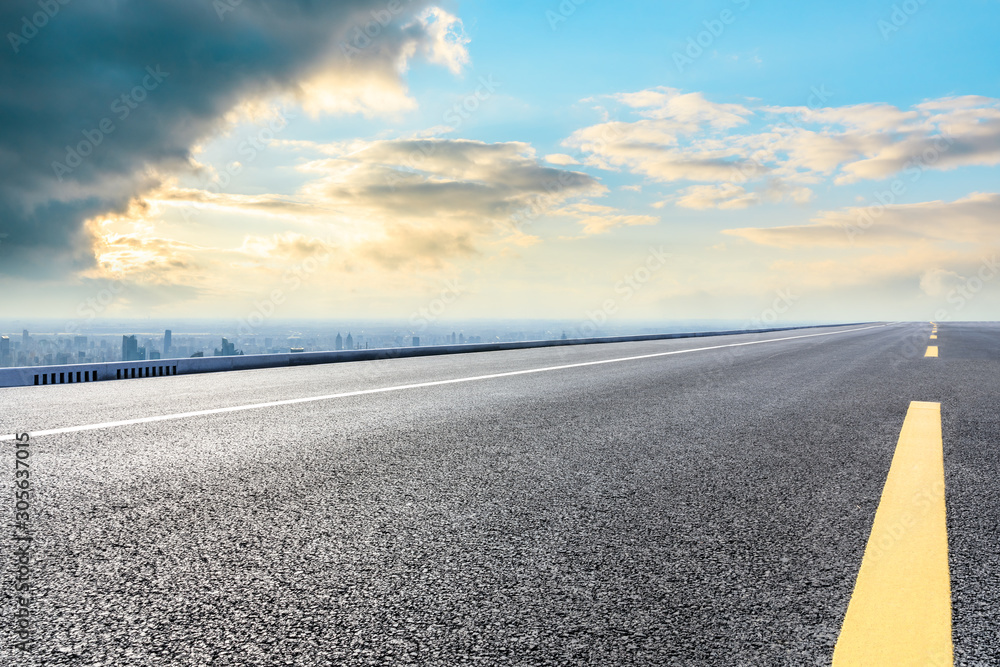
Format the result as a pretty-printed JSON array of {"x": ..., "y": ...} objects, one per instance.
[
  {"x": 725, "y": 196},
  {"x": 684, "y": 137},
  {"x": 600, "y": 219},
  {"x": 938, "y": 282},
  {"x": 972, "y": 220},
  {"x": 561, "y": 159},
  {"x": 371, "y": 84},
  {"x": 687, "y": 110}
]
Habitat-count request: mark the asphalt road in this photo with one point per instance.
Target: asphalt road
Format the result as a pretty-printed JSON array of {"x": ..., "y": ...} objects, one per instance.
[{"x": 704, "y": 508}]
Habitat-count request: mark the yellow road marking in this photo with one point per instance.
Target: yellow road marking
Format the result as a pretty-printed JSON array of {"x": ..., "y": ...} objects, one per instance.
[
  {"x": 931, "y": 351},
  {"x": 933, "y": 336},
  {"x": 900, "y": 612}
]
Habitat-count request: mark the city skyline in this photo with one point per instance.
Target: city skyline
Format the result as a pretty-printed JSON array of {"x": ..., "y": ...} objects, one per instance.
[{"x": 101, "y": 342}]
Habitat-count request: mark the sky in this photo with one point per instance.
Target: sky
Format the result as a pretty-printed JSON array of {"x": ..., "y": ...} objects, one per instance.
[{"x": 731, "y": 159}]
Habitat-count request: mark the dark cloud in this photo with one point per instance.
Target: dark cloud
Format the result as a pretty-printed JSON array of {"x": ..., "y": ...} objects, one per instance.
[
  {"x": 135, "y": 84},
  {"x": 457, "y": 178}
]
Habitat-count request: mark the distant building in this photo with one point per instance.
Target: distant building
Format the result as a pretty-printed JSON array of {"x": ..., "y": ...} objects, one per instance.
[
  {"x": 338, "y": 343},
  {"x": 416, "y": 341},
  {"x": 25, "y": 339},
  {"x": 198, "y": 354},
  {"x": 454, "y": 338},
  {"x": 295, "y": 350},
  {"x": 349, "y": 343},
  {"x": 167, "y": 341},
  {"x": 228, "y": 349},
  {"x": 130, "y": 348},
  {"x": 4, "y": 351},
  {"x": 461, "y": 339},
  {"x": 154, "y": 355}
]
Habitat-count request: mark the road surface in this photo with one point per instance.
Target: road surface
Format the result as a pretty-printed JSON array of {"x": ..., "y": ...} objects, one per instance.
[{"x": 703, "y": 507}]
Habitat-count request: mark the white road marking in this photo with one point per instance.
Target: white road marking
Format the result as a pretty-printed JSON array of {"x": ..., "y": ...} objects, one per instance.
[{"x": 418, "y": 385}]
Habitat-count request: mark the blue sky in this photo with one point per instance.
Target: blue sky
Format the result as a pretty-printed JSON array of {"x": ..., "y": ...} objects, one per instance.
[{"x": 537, "y": 153}]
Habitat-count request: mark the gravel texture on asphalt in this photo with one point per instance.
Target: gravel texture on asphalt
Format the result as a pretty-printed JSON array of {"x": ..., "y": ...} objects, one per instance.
[{"x": 709, "y": 508}]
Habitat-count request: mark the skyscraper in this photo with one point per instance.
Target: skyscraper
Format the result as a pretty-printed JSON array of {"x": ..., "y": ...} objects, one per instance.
[
  {"x": 4, "y": 351},
  {"x": 130, "y": 348},
  {"x": 228, "y": 349},
  {"x": 338, "y": 343},
  {"x": 350, "y": 341},
  {"x": 416, "y": 341},
  {"x": 166, "y": 344}
]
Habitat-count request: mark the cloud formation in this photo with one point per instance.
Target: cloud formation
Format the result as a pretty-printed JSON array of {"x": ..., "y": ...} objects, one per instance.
[
  {"x": 972, "y": 220},
  {"x": 726, "y": 195},
  {"x": 390, "y": 203},
  {"x": 599, "y": 219},
  {"x": 109, "y": 96},
  {"x": 439, "y": 197},
  {"x": 669, "y": 136}
]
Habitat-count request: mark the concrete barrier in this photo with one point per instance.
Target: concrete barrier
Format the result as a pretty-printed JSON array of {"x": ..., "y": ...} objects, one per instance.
[{"x": 128, "y": 370}]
